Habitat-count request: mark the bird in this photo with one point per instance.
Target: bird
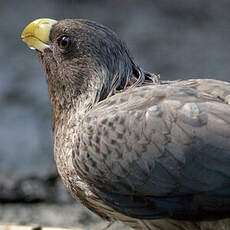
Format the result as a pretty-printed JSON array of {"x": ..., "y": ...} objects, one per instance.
[{"x": 131, "y": 147}]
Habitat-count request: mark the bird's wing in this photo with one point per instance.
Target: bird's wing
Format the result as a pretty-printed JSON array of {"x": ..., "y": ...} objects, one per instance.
[
  {"x": 215, "y": 88},
  {"x": 160, "y": 151}
]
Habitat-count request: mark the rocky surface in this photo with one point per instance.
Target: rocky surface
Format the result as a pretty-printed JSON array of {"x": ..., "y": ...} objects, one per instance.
[{"x": 176, "y": 39}]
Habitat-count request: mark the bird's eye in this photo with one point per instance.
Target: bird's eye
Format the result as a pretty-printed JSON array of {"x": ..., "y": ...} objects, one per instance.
[{"x": 64, "y": 42}]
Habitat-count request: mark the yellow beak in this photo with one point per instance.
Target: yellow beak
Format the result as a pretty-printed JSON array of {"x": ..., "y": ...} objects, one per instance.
[{"x": 36, "y": 34}]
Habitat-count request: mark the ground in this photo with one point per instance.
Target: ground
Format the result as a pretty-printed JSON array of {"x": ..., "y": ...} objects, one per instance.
[{"x": 56, "y": 215}]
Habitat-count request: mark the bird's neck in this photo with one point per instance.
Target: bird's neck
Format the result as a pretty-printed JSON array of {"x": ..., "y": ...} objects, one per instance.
[
  {"x": 72, "y": 106},
  {"x": 66, "y": 121}
]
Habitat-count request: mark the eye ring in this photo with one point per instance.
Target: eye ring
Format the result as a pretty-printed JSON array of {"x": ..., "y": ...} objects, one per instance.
[{"x": 64, "y": 42}]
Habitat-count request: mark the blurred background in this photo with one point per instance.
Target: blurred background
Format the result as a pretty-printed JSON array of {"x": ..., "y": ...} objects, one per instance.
[{"x": 177, "y": 39}]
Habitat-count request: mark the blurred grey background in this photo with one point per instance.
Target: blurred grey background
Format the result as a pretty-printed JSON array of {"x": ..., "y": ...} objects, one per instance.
[{"x": 177, "y": 39}]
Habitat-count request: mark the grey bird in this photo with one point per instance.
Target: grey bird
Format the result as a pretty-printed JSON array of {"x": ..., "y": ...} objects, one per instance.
[{"x": 153, "y": 154}]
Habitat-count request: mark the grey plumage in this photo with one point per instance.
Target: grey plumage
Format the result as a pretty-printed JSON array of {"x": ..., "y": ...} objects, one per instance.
[
  {"x": 166, "y": 152},
  {"x": 153, "y": 154}
]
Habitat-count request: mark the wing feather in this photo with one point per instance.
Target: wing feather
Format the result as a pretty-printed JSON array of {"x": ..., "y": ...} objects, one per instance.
[{"x": 163, "y": 150}]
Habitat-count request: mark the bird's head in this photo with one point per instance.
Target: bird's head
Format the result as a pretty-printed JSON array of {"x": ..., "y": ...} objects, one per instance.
[{"x": 79, "y": 57}]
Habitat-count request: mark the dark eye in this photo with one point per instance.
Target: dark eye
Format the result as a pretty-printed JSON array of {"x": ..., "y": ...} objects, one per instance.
[{"x": 64, "y": 42}]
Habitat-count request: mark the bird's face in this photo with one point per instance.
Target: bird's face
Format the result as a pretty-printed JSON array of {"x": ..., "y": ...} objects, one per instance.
[
  {"x": 63, "y": 49},
  {"x": 78, "y": 55}
]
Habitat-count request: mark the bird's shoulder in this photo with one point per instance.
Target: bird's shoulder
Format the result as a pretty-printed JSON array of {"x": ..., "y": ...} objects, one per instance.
[{"x": 141, "y": 98}]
